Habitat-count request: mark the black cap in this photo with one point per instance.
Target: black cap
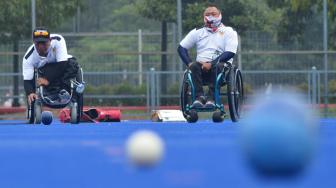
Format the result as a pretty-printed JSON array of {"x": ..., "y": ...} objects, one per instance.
[{"x": 41, "y": 34}]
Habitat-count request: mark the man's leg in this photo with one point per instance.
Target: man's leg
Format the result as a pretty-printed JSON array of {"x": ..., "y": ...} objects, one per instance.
[
  {"x": 215, "y": 70},
  {"x": 196, "y": 76},
  {"x": 53, "y": 72}
]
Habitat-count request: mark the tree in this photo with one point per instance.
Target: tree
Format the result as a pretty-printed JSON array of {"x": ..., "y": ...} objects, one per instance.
[
  {"x": 302, "y": 22},
  {"x": 15, "y": 23},
  {"x": 164, "y": 11},
  {"x": 107, "y": 15}
]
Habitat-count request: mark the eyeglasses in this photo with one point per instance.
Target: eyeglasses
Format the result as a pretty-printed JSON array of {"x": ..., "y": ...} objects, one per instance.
[{"x": 41, "y": 33}]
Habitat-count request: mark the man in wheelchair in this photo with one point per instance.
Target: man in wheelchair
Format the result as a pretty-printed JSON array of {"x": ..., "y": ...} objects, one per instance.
[
  {"x": 49, "y": 73},
  {"x": 216, "y": 44}
]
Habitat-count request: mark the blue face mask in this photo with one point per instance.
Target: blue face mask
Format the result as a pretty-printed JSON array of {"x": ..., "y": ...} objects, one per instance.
[{"x": 212, "y": 23}]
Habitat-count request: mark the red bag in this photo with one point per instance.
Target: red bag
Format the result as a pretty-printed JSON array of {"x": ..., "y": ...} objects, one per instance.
[
  {"x": 92, "y": 115},
  {"x": 108, "y": 115},
  {"x": 64, "y": 115}
]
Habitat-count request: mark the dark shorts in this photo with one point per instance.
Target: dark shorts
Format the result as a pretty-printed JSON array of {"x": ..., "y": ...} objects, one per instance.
[{"x": 59, "y": 74}]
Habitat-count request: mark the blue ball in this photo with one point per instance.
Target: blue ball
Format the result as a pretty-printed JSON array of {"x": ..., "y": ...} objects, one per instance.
[
  {"x": 279, "y": 136},
  {"x": 47, "y": 117}
]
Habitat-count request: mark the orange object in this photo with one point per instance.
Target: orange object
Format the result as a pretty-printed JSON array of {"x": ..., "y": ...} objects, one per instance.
[{"x": 92, "y": 115}]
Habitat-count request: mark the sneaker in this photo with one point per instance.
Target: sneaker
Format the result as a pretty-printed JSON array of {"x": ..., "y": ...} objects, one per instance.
[
  {"x": 197, "y": 104},
  {"x": 210, "y": 104},
  {"x": 202, "y": 99}
]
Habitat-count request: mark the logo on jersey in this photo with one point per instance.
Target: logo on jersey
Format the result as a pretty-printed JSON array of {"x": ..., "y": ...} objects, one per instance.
[{"x": 216, "y": 54}]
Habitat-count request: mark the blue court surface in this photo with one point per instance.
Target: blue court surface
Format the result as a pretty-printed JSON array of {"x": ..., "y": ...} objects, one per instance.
[{"x": 92, "y": 155}]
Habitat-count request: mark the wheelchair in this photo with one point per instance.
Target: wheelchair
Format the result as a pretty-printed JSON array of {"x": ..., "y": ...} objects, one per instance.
[
  {"x": 231, "y": 77},
  {"x": 73, "y": 100}
]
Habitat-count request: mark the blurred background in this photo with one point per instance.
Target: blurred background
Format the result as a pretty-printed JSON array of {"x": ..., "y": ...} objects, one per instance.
[{"x": 127, "y": 48}]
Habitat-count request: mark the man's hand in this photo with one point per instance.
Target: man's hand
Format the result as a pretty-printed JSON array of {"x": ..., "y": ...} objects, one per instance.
[
  {"x": 206, "y": 66},
  {"x": 31, "y": 98},
  {"x": 42, "y": 82}
]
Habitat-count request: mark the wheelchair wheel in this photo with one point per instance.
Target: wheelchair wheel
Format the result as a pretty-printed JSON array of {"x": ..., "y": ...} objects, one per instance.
[
  {"x": 74, "y": 113},
  {"x": 235, "y": 93},
  {"x": 30, "y": 114},
  {"x": 80, "y": 103},
  {"x": 192, "y": 117},
  {"x": 76, "y": 108},
  {"x": 186, "y": 96},
  {"x": 217, "y": 117},
  {"x": 37, "y": 112}
]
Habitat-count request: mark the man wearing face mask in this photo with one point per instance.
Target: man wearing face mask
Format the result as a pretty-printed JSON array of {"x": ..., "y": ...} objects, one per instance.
[
  {"x": 214, "y": 42},
  {"x": 48, "y": 55}
]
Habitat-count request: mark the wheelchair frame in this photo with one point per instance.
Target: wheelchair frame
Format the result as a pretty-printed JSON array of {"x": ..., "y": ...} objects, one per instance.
[
  {"x": 34, "y": 111},
  {"x": 231, "y": 77}
]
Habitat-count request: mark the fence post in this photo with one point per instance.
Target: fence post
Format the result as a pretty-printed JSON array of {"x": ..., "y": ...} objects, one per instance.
[
  {"x": 174, "y": 59},
  {"x": 309, "y": 87},
  {"x": 140, "y": 55},
  {"x": 158, "y": 87},
  {"x": 124, "y": 74},
  {"x": 152, "y": 89},
  {"x": 318, "y": 88},
  {"x": 314, "y": 88},
  {"x": 148, "y": 102}
]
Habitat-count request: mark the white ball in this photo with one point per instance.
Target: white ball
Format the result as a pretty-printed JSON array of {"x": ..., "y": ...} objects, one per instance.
[{"x": 144, "y": 148}]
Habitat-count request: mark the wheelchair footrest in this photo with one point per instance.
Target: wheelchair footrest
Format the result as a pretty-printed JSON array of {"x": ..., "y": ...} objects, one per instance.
[{"x": 204, "y": 109}]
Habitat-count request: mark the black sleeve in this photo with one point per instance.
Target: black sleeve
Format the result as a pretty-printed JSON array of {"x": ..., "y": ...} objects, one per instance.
[
  {"x": 29, "y": 86},
  {"x": 224, "y": 57},
  {"x": 184, "y": 55}
]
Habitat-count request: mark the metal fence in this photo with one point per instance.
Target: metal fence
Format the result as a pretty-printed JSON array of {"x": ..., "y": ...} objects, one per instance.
[
  {"x": 122, "y": 88},
  {"x": 117, "y": 68}
]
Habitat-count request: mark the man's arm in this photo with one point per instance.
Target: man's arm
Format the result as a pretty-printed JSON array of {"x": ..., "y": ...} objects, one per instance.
[
  {"x": 224, "y": 57},
  {"x": 184, "y": 55},
  {"x": 28, "y": 79},
  {"x": 188, "y": 42},
  {"x": 28, "y": 71}
]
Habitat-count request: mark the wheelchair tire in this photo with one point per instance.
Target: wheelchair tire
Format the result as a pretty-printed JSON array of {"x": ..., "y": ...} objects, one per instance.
[
  {"x": 186, "y": 96},
  {"x": 80, "y": 96},
  {"x": 235, "y": 94},
  {"x": 37, "y": 112},
  {"x": 240, "y": 97},
  {"x": 192, "y": 117},
  {"x": 80, "y": 102},
  {"x": 217, "y": 117},
  {"x": 74, "y": 113},
  {"x": 30, "y": 114}
]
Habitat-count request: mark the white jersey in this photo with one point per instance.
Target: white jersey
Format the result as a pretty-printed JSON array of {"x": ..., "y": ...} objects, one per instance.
[
  {"x": 210, "y": 45},
  {"x": 57, "y": 52}
]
